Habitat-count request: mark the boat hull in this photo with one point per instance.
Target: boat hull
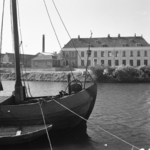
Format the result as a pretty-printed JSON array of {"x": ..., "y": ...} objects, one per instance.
[
  {"x": 54, "y": 111},
  {"x": 16, "y": 135}
]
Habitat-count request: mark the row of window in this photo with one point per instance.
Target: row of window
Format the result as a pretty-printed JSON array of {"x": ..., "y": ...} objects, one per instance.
[
  {"x": 72, "y": 63},
  {"x": 109, "y": 53},
  {"x": 71, "y": 54},
  {"x": 116, "y": 53},
  {"x": 124, "y": 62}
]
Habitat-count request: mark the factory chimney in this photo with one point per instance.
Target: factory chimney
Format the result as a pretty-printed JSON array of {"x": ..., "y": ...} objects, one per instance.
[{"x": 43, "y": 43}]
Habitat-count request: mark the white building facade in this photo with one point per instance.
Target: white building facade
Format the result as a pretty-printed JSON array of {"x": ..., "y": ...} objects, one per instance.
[{"x": 109, "y": 51}]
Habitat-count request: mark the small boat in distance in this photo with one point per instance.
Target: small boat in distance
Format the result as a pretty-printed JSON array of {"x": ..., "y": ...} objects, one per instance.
[
  {"x": 65, "y": 112},
  {"x": 20, "y": 135}
]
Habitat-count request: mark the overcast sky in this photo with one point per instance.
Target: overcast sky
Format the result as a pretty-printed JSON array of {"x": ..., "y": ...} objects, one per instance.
[{"x": 102, "y": 17}]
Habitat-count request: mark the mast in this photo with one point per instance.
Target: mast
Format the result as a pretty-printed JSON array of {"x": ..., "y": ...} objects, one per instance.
[
  {"x": 19, "y": 89},
  {"x": 43, "y": 44}
]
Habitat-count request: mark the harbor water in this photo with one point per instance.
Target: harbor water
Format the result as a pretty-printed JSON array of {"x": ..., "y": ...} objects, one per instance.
[{"x": 121, "y": 111}]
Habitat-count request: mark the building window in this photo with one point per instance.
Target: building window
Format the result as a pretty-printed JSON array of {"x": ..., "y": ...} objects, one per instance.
[
  {"x": 109, "y": 62},
  {"x": 89, "y": 62},
  {"x": 82, "y": 62},
  {"x": 102, "y": 62},
  {"x": 73, "y": 63},
  {"x": 124, "y": 54},
  {"x": 146, "y": 62},
  {"x": 116, "y": 62},
  {"x": 109, "y": 53},
  {"x": 104, "y": 45},
  {"x": 67, "y": 63},
  {"x": 102, "y": 53},
  {"x": 139, "y": 44},
  {"x": 67, "y": 54},
  {"x": 35, "y": 63},
  {"x": 138, "y": 53},
  {"x": 82, "y": 54},
  {"x": 124, "y": 62},
  {"x": 48, "y": 63},
  {"x": 95, "y": 53},
  {"x": 116, "y": 54},
  {"x": 95, "y": 62},
  {"x": 145, "y": 53},
  {"x": 125, "y": 44},
  {"x": 131, "y": 62},
  {"x": 72, "y": 54},
  {"x": 131, "y": 53},
  {"x": 138, "y": 62}
]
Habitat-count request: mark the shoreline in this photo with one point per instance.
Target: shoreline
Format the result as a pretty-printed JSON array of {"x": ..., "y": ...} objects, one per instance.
[
  {"x": 47, "y": 76},
  {"x": 62, "y": 77}
]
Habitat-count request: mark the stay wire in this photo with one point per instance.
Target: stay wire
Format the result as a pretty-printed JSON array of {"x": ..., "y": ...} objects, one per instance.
[
  {"x": 133, "y": 146},
  {"x": 70, "y": 36},
  {"x": 56, "y": 34},
  {"x": 1, "y": 36}
]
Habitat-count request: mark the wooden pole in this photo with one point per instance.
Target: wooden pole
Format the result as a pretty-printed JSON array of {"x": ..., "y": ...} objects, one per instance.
[
  {"x": 88, "y": 54},
  {"x": 19, "y": 90},
  {"x": 69, "y": 86},
  {"x": 43, "y": 44}
]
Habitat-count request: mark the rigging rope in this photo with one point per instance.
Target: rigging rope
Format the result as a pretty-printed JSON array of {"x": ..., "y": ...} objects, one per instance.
[
  {"x": 56, "y": 36},
  {"x": 133, "y": 146},
  {"x": 70, "y": 36},
  {"x": 1, "y": 37}
]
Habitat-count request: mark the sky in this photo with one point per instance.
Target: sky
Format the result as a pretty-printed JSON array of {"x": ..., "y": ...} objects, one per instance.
[{"x": 81, "y": 17}]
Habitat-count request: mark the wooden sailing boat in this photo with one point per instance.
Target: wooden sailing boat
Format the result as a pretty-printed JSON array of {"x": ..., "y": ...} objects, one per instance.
[
  {"x": 64, "y": 111},
  {"x": 19, "y": 135}
]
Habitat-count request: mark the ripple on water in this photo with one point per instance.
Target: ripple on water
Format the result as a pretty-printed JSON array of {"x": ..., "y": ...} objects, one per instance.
[{"x": 121, "y": 109}]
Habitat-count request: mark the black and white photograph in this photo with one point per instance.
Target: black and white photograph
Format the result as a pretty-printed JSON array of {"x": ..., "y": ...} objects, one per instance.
[{"x": 75, "y": 74}]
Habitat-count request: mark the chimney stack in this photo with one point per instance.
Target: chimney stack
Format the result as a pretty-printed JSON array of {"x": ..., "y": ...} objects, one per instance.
[
  {"x": 134, "y": 34},
  {"x": 43, "y": 44},
  {"x": 108, "y": 35},
  {"x": 119, "y": 35}
]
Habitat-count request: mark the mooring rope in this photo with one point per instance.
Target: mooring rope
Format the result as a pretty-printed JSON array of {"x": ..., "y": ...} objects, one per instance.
[
  {"x": 133, "y": 146},
  {"x": 40, "y": 104}
]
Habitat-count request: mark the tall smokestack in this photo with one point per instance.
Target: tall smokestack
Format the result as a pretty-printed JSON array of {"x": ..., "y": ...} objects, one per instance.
[{"x": 43, "y": 43}]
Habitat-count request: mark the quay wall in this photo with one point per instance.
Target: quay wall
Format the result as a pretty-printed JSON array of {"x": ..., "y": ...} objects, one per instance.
[{"x": 44, "y": 76}]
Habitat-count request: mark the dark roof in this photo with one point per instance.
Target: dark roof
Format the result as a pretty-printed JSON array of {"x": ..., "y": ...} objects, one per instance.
[
  {"x": 12, "y": 55},
  {"x": 44, "y": 57},
  {"x": 1, "y": 55},
  {"x": 131, "y": 41}
]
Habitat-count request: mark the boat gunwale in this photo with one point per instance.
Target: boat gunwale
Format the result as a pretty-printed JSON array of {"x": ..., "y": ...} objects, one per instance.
[
  {"x": 25, "y": 103},
  {"x": 48, "y": 127}
]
